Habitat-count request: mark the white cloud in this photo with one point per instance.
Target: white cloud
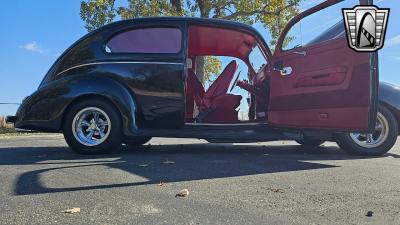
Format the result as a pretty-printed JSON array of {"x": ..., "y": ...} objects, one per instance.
[
  {"x": 33, "y": 47},
  {"x": 394, "y": 40}
]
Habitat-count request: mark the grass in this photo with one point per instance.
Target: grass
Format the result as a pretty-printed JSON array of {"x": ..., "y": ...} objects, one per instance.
[{"x": 7, "y": 130}]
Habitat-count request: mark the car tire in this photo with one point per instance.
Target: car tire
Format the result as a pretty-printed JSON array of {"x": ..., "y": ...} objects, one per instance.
[
  {"x": 138, "y": 141},
  {"x": 310, "y": 143},
  {"x": 378, "y": 143},
  {"x": 93, "y": 126}
]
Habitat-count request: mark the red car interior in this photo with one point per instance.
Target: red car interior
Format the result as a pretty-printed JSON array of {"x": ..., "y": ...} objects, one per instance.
[
  {"x": 326, "y": 82},
  {"x": 219, "y": 42},
  {"x": 221, "y": 85},
  {"x": 194, "y": 94},
  {"x": 215, "y": 105},
  {"x": 258, "y": 80}
]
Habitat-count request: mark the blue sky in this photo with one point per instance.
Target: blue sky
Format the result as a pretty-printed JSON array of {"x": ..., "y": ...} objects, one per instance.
[{"x": 35, "y": 33}]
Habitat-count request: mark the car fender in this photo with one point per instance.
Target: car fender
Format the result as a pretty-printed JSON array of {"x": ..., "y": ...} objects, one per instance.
[
  {"x": 389, "y": 96},
  {"x": 45, "y": 109}
]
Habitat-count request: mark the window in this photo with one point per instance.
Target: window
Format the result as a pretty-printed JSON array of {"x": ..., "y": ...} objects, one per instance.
[
  {"x": 257, "y": 59},
  {"x": 147, "y": 40},
  {"x": 321, "y": 26}
]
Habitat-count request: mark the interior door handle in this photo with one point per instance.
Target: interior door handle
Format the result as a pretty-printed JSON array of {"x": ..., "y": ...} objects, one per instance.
[{"x": 303, "y": 53}]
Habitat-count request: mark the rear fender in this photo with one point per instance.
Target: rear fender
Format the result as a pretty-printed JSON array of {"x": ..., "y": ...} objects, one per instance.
[{"x": 45, "y": 109}]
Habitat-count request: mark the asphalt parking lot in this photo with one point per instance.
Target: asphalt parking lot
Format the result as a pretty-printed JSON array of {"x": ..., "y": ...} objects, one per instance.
[{"x": 261, "y": 183}]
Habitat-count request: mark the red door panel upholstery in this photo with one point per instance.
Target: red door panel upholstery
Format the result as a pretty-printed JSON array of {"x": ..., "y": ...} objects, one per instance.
[
  {"x": 328, "y": 88},
  {"x": 334, "y": 76},
  {"x": 320, "y": 118}
]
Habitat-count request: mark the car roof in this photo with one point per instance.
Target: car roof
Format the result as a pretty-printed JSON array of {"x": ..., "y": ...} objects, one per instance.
[
  {"x": 162, "y": 20},
  {"x": 193, "y": 20},
  {"x": 190, "y": 20}
]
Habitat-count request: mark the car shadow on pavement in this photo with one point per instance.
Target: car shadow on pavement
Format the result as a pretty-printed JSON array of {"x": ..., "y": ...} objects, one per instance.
[{"x": 167, "y": 163}]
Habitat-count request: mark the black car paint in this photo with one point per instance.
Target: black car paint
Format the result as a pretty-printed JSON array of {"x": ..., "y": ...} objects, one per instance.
[
  {"x": 58, "y": 96},
  {"x": 389, "y": 96},
  {"x": 149, "y": 86}
]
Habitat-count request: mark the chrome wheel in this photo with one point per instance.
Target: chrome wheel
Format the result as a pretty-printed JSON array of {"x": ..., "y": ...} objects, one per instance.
[
  {"x": 91, "y": 126},
  {"x": 375, "y": 139}
]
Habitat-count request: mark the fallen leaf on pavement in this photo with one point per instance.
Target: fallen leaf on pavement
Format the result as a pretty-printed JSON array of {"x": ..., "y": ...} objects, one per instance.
[
  {"x": 183, "y": 193},
  {"x": 277, "y": 190},
  {"x": 161, "y": 184},
  {"x": 369, "y": 213},
  {"x": 72, "y": 211}
]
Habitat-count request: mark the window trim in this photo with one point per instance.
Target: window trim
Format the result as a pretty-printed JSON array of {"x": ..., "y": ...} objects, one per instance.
[
  {"x": 264, "y": 55},
  {"x": 340, "y": 35},
  {"x": 114, "y": 34},
  {"x": 300, "y": 17}
]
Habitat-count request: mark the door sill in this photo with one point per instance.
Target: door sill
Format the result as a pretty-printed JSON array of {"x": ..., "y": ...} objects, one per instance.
[
  {"x": 244, "y": 123},
  {"x": 234, "y": 133}
]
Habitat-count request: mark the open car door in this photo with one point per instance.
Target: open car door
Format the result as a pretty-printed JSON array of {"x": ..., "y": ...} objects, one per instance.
[{"x": 317, "y": 81}]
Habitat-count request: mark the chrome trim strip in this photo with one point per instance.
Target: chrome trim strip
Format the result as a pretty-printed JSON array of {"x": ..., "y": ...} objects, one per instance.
[{"x": 101, "y": 63}]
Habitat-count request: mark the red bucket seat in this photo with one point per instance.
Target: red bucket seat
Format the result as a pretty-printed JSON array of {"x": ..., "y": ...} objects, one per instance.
[{"x": 215, "y": 105}]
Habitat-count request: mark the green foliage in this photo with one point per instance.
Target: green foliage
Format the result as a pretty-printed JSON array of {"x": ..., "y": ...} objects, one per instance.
[
  {"x": 146, "y": 8},
  {"x": 5, "y": 130},
  {"x": 212, "y": 67},
  {"x": 97, "y": 13},
  {"x": 273, "y": 14}
]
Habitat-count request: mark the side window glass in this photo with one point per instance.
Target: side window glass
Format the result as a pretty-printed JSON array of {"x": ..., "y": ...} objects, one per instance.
[
  {"x": 321, "y": 26},
  {"x": 147, "y": 40},
  {"x": 257, "y": 59}
]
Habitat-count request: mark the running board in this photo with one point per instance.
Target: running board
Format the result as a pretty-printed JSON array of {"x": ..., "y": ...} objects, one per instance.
[{"x": 224, "y": 133}]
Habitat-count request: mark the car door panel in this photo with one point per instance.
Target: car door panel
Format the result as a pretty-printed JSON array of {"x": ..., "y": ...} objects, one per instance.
[
  {"x": 328, "y": 87},
  {"x": 324, "y": 77}
]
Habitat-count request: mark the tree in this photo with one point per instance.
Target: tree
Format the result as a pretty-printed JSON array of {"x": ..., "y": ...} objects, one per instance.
[
  {"x": 97, "y": 13},
  {"x": 273, "y": 14}
]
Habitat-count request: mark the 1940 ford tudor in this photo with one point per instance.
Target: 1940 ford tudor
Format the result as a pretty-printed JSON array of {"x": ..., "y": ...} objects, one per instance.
[{"x": 136, "y": 79}]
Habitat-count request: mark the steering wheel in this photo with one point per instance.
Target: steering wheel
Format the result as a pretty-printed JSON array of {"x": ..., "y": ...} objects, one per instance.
[{"x": 234, "y": 83}]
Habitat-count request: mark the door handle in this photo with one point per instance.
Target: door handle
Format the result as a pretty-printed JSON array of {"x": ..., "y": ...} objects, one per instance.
[
  {"x": 303, "y": 53},
  {"x": 285, "y": 71}
]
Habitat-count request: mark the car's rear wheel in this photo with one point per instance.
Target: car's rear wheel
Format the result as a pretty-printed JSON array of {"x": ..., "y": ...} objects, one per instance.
[
  {"x": 93, "y": 126},
  {"x": 377, "y": 143}
]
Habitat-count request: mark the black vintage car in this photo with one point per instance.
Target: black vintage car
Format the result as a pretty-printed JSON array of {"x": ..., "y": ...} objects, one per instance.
[{"x": 136, "y": 79}]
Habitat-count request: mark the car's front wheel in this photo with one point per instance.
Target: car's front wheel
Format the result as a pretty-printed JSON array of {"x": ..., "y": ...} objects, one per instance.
[
  {"x": 374, "y": 144},
  {"x": 93, "y": 126}
]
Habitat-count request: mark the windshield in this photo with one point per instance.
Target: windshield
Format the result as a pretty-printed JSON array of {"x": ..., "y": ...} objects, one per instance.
[{"x": 257, "y": 59}]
